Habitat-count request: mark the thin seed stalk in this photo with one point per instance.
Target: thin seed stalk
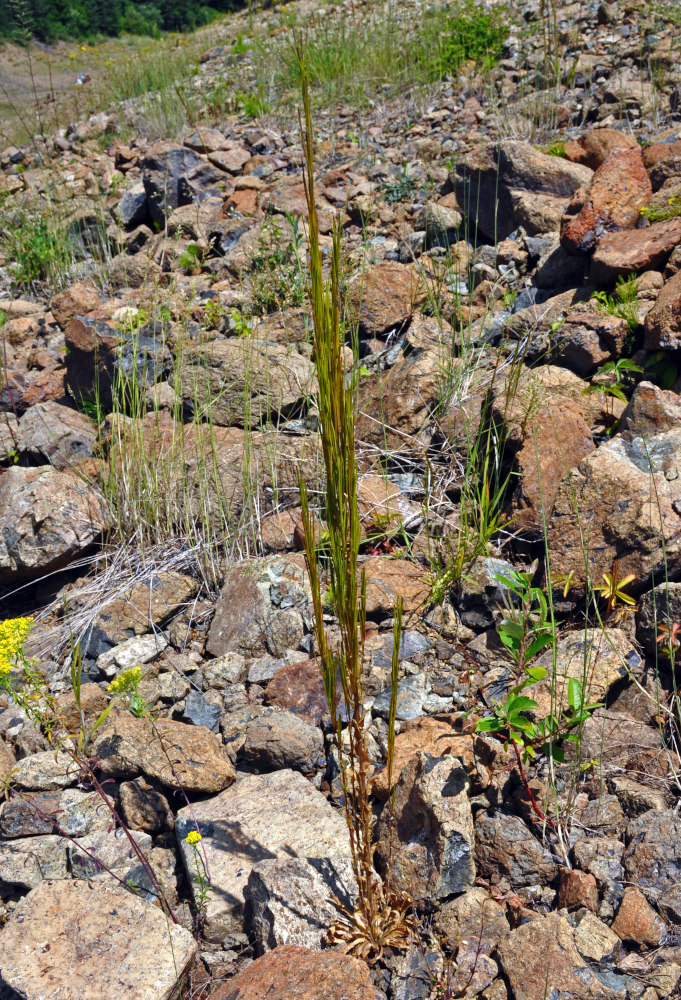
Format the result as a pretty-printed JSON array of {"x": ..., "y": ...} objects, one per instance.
[{"x": 336, "y": 403}]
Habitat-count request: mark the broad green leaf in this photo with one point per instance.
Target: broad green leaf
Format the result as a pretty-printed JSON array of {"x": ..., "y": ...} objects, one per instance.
[
  {"x": 575, "y": 694},
  {"x": 536, "y": 673}
]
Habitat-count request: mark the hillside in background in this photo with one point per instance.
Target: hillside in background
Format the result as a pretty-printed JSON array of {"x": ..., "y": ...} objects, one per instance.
[{"x": 48, "y": 20}]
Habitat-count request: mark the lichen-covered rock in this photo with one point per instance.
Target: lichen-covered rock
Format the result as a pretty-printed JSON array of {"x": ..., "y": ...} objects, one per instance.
[
  {"x": 75, "y": 923},
  {"x": 47, "y": 518},
  {"x": 540, "y": 955},
  {"x": 294, "y": 901},
  {"x": 505, "y": 848},
  {"x": 431, "y": 856},
  {"x": 278, "y": 815},
  {"x": 166, "y": 751}
]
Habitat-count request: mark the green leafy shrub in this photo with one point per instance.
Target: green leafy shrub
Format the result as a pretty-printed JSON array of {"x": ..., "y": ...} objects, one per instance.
[{"x": 471, "y": 35}]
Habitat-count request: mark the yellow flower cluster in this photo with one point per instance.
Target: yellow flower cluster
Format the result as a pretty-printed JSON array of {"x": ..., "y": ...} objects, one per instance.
[
  {"x": 13, "y": 634},
  {"x": 126, "y": 681},
  {"x": 193, "y": 837}
]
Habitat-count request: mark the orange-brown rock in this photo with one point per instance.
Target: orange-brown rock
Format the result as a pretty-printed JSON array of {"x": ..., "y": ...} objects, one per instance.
[
  {"x": 77, "y": 300},
  {"x": 663, "y": 322},
  {"x": 387, "y": 579},
  {"x": 395, "y": 407},
  {"x": 663, "y": 162},
  {"x": 556, "y": 439},
  {"x": 299, "y": 688},
  {"x": 295, "y": 973},
  {"x": 385, "y": 296},
  {"x": 630, "y": 252},
  {"x": 599, "y": 143},
  {"x": 576, "y": 889},
  {"x": 612, "y": 201},
  {"x": 637, "y": 921}
]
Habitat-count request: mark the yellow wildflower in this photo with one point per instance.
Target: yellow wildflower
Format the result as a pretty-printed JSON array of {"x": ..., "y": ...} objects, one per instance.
[
  {"x": 193, "y": 837},
  {"x": 13, "y": 634},
  {"x": 126, "y": 681}
]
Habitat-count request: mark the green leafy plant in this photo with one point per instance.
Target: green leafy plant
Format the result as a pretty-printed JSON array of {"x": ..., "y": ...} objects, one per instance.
[
  {"x": 623, "y": 302},
  {"x": 192, "y": 257},
  {"x": 253, "y": 105},
  {"x": 277, "y": 272},
  {"x": 612, "y": 590},
  {"x": 471, "y": 34},
  {"x": 556, "y": 148},
  {"x": 662, "y": 369},
  {"x": 400, "y": 189},
  {"x": 618, "y": 372},
  {"x": 661, "y": 213},
  {"x": 526, "y": 630},
  {"x": 214, "y": 312}
]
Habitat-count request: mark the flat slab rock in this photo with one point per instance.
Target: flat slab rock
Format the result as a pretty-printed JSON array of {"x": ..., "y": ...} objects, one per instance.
[
  {"x": 261, "y": 817},
  {"x": 293, "y": 973},
  {"x": 72, "y": 940}
]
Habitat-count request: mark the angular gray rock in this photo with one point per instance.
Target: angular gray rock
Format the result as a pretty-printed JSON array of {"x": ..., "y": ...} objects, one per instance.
[
  {"x": 431, "y": 857},
  {"x": 26, "y": 861},
  {"x": 279, "y": 740},
  {"x": 505, "y": 848},
  {"x": 50, "y": 432},
  {"x": 270, "y": 816},
  {"x": 242, "y": 381},
  {"x": 252, "y": 597},
  {"x": 652, "y": 860},
  {"x": 292, "y": 900},
  {"x": 47, "y": 518},
  {"x": 501, "y": 187},
  {"x": 174, "y": 176}
]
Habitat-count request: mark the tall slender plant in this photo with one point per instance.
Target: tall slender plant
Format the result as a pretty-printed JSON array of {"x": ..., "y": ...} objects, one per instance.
[{"x": 380, "y": 917}]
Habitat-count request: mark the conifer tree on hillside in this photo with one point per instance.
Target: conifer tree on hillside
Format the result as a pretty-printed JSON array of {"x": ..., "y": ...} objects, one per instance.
[{"x": 48, "y": 20}]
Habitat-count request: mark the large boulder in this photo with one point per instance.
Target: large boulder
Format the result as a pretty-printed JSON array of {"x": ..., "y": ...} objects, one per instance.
[
  {"x": 52, "y": 946},
  {"x": 174, "y": 176},
  {"x": 652, "y": 861},
  {"x": 171, "y": 753},
  {"x": 663, "y": 162},
  {"x": 594, "y": 147},
  {"x": 47, "y": 518},
  {"x": 540, "y": 959},
  {"x": 396, "y": 406},
  {"x": 279, "y": 815},
  {"x": 50, "y": 432},
  {"x": 295, "y": 973},
  {"x": 257, "y": 601},
  {"x": 241, "y": 382},
  {"x": 384, "y": 297},
  {"x": 620, "y": 505},
  {"x": 294, "y": 901},
  {"x": 611, "y": 201},
  {"x": 631, "y": 252},
  {"x": 102, "y": 360},
  {"x": 501, "y": 187},
  {"x": 429, "y": 853}
]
